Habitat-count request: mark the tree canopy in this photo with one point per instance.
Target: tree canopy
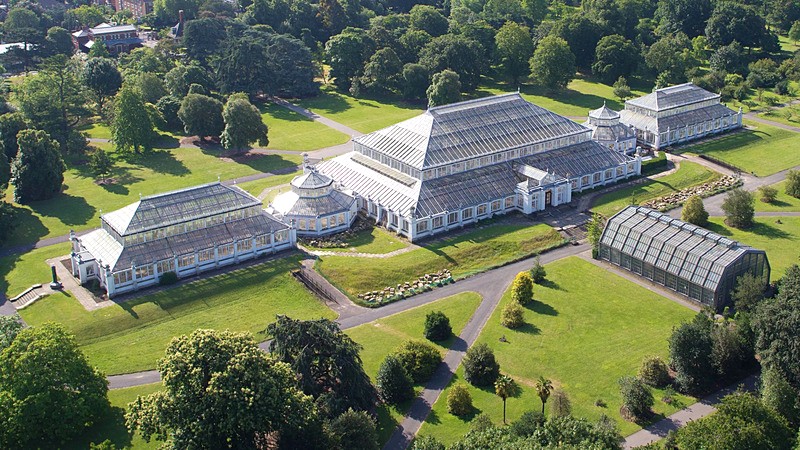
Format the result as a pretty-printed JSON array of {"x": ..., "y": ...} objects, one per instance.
[
  {"x": 243, "y": 125},
  {"x": 37, "y": 172}
]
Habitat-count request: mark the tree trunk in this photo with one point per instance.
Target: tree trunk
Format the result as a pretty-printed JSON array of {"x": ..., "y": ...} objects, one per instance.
[
  {"x": 504, "y": 411},
  {"x": 543, "y": 402}
]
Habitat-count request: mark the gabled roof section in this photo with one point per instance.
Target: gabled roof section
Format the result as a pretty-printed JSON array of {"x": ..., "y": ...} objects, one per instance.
[
  {"x": 673, "y": 97},
  {"x": 473, "y": 128},
  {"x": 105, "y": 28},
  {"x": 179, "y": 206}
]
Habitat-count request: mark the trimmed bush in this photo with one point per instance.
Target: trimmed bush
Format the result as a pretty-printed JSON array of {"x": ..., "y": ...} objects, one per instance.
[
  {"x": 739, "y": 207},
  {"x": 694, "y": 212},
  {"x": 420, "y": 359},
  {"x": 512, "y": 315},
  {"x": 636, "y": 397},
  {"x": 538, "y": 273},
  {"x": 459, "y": 400},
  {"x": 437, "y": 326},
  {"x": 427, "y": 443},
  {"x": 654, "y": 371},
  {"x": 393, "y": 381},
  {"x": 168, "y": 278},
  {"x": 768, "y": 194},
  {"x": 480, "y": 366},
  {"x": 522, "y": 288}
]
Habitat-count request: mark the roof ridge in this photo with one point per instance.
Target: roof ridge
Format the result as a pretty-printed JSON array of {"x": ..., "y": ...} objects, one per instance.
[
  {"x": 186, "y": 189},
  {"x": 475, "y": 100}
]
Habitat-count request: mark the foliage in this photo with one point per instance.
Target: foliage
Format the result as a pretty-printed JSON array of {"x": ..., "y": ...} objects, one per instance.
[
  {"x": 415, "y": 81},
  {"x": 10, "y": 326},
  {"x": 686, "y": 16},
  {"x": 353, "y": 429},
  {"x": 46, "y": 380},
  {"x": 221, "y": 391},
  {"x": 445, "y": 88},
  {"x": 748, "y": 293},
  {"x": 553, "y": 64},
  {"x": 767, "y": 193},
  {"x": 10, "y": 125},
  {"x": 505, "y": 387},
  {"x": 621, "y": 89},
  {"x": 150, "y": 85},
  {"x": 428, "y": 19},
  {"x": 480, "y": 366},
  {"x": 169, "y": 106},
  {"x": 794, "y": 32},
  {"x": 203, "y": 37},
  {"x": 780, "y": 396},
  {"x": 178, "y": 80},
  {"x": 694, "y": 211},
  {"x": 383, "y": 71},
  {"x": 522, "y": 288},
  {"x": 776, "y": 323},
  {"x": 636, "y": 397},
  {"x": 132, "y": 128},
  {"x": 243, "y": 125},
  {"x": 437, "y": 326},
  {"x": 615, "y": 57},
  {"x": 739, "y": 208},
  {"x": 582, "y": 34},
  {"x": 393, "y": 381},
  {"x": 8, "y": 221},
  {"x": 560, "y": 406},
  {"x": 514, "y": 47},
  {"x": 512, "y": 315},
  {"x": 459, "y": 400},
  {"x": 729, "y": 58},
  {"x": 57, "y": 42},
  {"x": 792, "y": 182},
  {"x": 37, "y": 173},
  {"x": 670, "y": 57},
  {"x": 690, "y": 354},
  {"x": 543, "y": 388},
  {"x": 347, "y": 52},
  {"x": 100, "y": 163},
  {"x": 456, "y": 53},
  {"x": 168, "y": 278},
  {"x": 427, "y": 443},
  {"x": 594, "y": 231},
  {"x": 201, "y": 115},
  {"x": 102, "y": 77},
  {"x": 735, "y": 22},
  {"x": 527, "y": 424},
  {"x": 419, "y": 358},
  {"x": 537, "y": 272},
  {"x": 326, "y": 362},
  {"x": 654, "y": 372}
]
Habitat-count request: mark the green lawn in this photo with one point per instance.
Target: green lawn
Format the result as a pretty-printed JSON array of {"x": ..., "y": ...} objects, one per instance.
[
  {"x": 132, "y": 336},
  {"x": 374, "y": 240},
  {"x": 362, "y": 114},
  {"x": 257, "y": 186},
  {"x": 787, "y": 115},
  {"x": 96, "y": 130},
  {"x": 80, "y": 205},
  {"x": 764, "y": 150},
  {"x": 477, "y": 250},
  {"x": 19, "y": 272},
  {"x": 383, "y": 336},
  {"x": 689, "y": 174},
  {"x": 586, "y": 329},
  {"x": 289, "y": 130},
  {"x": 779, "y": 240},
  {"x": 782, "y": 202}
]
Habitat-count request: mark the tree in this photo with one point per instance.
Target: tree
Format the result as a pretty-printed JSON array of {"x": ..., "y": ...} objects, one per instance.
[
  {"x": 45, "y": 379},
  {"x": 178, "y": 80},
  {"x": 166, "y": 11},
  {"x": 347, "y": 52},
  {"x": 243, "y": 125},
  {"x": 686, "y": 16},
  {"x": 594, "y": 231},
  {"x": 457, "y": 53},
  {"x": 768, "y": 194},
  {"x": 150, "y": 86},
  {"x": 383, "y": 71},
  {"x": 37, "y": 173},
  {"x": 201, "y": 115},
  {"x": 427, "y": 443},
  {"x": 515, "y": 48},
  {"x": 794, "y": 32},
  {"x": 98, "y": 51},
  {"x": 428, "y": 19},
  {"x": 444, "y": 89},
  {"x": 8, "y": 221},
  {"x": 654, "y": 371},
  {"x": 132, "y": 128},
  {"x": 739, "y": 208},
  {"x": 419, "y": 358},
  {"x": 505, "y": 387},
  {"x": 776, "y": 323},
  {"x": 621, "y": 89},
  {"x": 636, "y": 397},
  {"x": 748, "y": 293},
  {"x": 729, "y": 58},
  {"x": 527, "y": 424},
  {"x": 100, "y": 163},
  {"x": 10, "y": 125},
  {"x": 325, "y": 361},
  {"x": 581, "y": 33},
  {"x": 354, "y": 429},
  {"x": 694, "y": 212},
  {"x": 102, "y": 77},
  {"x": 169, "y": 106},
  {"x": 537, "y": 272},
  {"x": 792, "y": 182},
  {"x": 543, "y": 388},
  {"x": 415, "y": 81},
  {"x": 553, "y": 64},
  {"x": 221, "y": 391},
  {"x": 671, "y": 57},
  {"x": 459, "y": 400},
  {"x": 23, "y": 25},
  {"x": 393, "y": 381},
  {"x": 732, "y": 21},
  {"x": 522, "y": 288},
  {"x": 615, "y": 57},
  {"x": 778, "y": 394},
  {"x": 690, "y": 347},
  {"x": 480, "y": 366},
  {"x": 58, "y": 42},
  {"x": 512, "y": 315},
  {"x": 437, "y": 326},
  {"x": 203, "y": 37},
  {"x": 10, "y": 326}
]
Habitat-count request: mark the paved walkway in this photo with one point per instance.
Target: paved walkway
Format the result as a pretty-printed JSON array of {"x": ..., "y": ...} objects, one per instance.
[
  {"x": 704, "y": 407},
  {"x": 755, "y": 118}
]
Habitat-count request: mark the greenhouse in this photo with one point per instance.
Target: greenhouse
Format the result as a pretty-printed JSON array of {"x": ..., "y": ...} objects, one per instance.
[
  {"x": 685, "y": 258},
  {"x": 608, "y": 131}
]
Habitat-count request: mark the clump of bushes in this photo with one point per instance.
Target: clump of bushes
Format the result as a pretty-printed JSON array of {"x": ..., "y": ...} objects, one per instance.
[
  {"x": 654, "y": 371},
  {"x": 694, "y": 212},
  {"x": 393, "y": 381},
  {"x": 480, "y": 366},
  {"x": 168, "y": 278},
  {"x": 512, "y": 315},
  {"x": 437, "y": 326},
  {"x": 522, "y": 288},
  {"x": 420, "y": 359},
  {"x": 768, "y": 194},
  {"x": 459, "y": 400},
  {"x": 636, "y": 397}
]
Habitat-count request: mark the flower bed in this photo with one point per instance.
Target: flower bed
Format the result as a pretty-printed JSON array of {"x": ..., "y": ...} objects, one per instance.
[
  {"x": 704, "y": 190},
  {"x": 404, "y": 290}
]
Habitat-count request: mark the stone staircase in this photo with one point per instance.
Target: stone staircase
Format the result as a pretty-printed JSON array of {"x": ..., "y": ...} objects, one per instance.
[{"x": 28, "y": 296}]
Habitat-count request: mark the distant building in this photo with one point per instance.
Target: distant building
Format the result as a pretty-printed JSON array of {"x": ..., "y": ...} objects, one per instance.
[
  {"x": 608, "y": 131},
  {"x": 678, "y": 114},
  {"x": 186, "y": 232},
  {"x": 139, "y": 8},
  {"x": 117, "y": 38},
  {"x": 685, "y": 258},
  {"x": 461, "y": 163}
]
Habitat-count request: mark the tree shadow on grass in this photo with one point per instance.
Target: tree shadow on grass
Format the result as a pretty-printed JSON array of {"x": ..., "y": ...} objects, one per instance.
[
  {"x": 159, "y": 161},
  {"x": 274, "y": 164},
  {"x": 769, "y": 231},
  {"x": 69, "y": 209},
  {"x": 717, "y": 228},
  {"x": 540, "y": 307},
  {"x": 549, "y": 284},
  {"x": 167, "y": 141},
  {"x": 328, "y": 102},
  {"x": 779, "y": 204},
  {"x": 280, "y": 113},
  {"x": 29, "y": 228},
  {"x": 111, "y": 427},
  {"x": 527, "y": 328}
]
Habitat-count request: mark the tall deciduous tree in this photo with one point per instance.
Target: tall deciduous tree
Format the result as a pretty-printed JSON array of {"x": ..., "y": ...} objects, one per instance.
[
  {"x": 686, "y": 16},
  {"x": 178, "y": 80},
  {"x": 748, "y": 293},
  {"x": 221, "y": 391},
  {"x": 428, "y": 19},
  {"x": 100, "y": 163},
  {"x": 553, "y": 64},
  {"x": 10, "y": 326},
  {"x": 38, "y": 170},
  {"x": 203, "y": 37},
  {"x": 132, "y": 129},
  {"x": 480, "y": 366},
  {"x": 615, "y": 57},
  {"x": 58, "y": 42},
  {"x": 581, "y": 33},
  {"x": 383, "y": 71},
  {"x": 393, "y": 381},
  {"x": 415, "y": 81},
  {"x": 347, "y": 52},
  {"x": 457, "y": 53},
  {"x": 243, "y": 124},
  {"x": 102, "y": 77},
  {"x": 201, "y": 115},
  {"x": 515, "y": 48},
  {"x": 10, "y": 125},
  {"x": 23, "y": 25},
  {"x": 690, "y": 349},
  {"x": 733, "y": 21},
  {"x": 776, "y": 323},
  {"x": 48, "y": 391},
  {"x": 445, "y": 88}
]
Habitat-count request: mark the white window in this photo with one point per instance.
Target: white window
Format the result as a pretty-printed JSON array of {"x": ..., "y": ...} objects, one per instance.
[
  {"x": 166, "y": 266},
  {"x": 452, "y": 218},
  {"x": 224, "y": 250},
  {"x": 263, "y": 240},
  {"x": 466, "y": 213},
  {"x": 438, "y": 222},
  {"x": 205, "y": 255},
  {"x": 281, "y": 236},
  {"x": 509, "y": 202},
  {"x": 245, "y": 245},
  {"x": 481, "y": 210},
  {"x": 144, "y": 271},
  {"x": 186, "y": 261},
  {"x": 122, "y": 277},
  {"x": 496, "y": 205},
  {"x": 422, "y": 226}
]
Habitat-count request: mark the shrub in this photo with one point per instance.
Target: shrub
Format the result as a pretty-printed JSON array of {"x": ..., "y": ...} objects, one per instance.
[
  {"x": 393, "y": 381},
  {"x": 527, "y": 424},
  {"x": 654, "y": 371},
  {"x": 480, "y": 366},
  {"x": 739, "y": 208},
  {"x": 538, "y": 274},
  {"x": 420, "y": 359},
  {"x": 779, "y": 395},
  {"x": 459, "y": 400},
  {"x": 437, "y": 326},
  {"x": 694, "y": 212},
  {"x": 168, "y": 278},
  {"x": 353, "y": 429},
  {"x": 560, "y": 406},
  {"x": 793, "y": 183},
  {"x": 522, "y": 288},
  {"x": 690, "y": 347},
  {"x": 636, "y": 397},
  {"x": 512, "y": 315},
  {"x": 768, "y": 194},
  {"x": 427, "y": 443},
  {"x": 480, "y": 423}
]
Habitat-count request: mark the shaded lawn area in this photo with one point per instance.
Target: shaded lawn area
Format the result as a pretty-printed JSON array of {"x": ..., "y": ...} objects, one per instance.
[
  {"x": 762, "y": 150},
  {"x": 586, "y": 329},
  {"x": 132, "y": 336},
  {"x": 19, "y": 272},
  {"x": 467, "y": 253},
  {"x": 79, "y": 206},
  {"x": 383, "y": 336},
  {"x": 289, "y": 130},
  {"x": 96, "y": 130},
  {"x": 365, "y": 114},
  {"x": 374, "y": 240},
  {"x": 689, "y": 174},
  {"x": 779, "y": 240},
  {"x": 783, "y": 202}
]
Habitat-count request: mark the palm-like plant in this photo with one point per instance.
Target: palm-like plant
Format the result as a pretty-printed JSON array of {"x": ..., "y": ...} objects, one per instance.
[
  {"x": 505, "y": 387},
  {"x": 543, "y": 388}
]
